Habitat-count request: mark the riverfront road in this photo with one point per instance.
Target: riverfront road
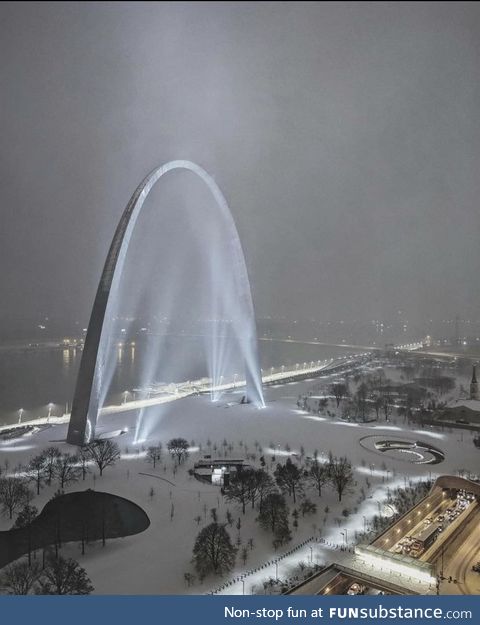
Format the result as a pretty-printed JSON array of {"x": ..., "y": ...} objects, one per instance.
[{"x": 188, "y": 389}]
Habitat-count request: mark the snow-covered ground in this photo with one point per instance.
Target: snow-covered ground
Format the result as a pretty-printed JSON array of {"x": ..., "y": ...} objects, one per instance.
[{"x": 155, "y": 561}]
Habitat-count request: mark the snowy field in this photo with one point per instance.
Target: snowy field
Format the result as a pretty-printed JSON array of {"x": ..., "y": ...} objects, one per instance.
[{"x": 155, "y": 561}]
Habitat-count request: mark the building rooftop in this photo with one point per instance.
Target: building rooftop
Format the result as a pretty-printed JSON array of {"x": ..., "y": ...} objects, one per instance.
[{"x": 472, "y": 404}]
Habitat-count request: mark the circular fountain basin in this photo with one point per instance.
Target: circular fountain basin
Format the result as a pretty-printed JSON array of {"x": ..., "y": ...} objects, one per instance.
[{"x": 407, "y": 450}]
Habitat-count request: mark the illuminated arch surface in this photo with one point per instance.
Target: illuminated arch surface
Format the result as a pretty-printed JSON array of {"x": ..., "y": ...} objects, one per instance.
[{"x": 85, "y": 404}]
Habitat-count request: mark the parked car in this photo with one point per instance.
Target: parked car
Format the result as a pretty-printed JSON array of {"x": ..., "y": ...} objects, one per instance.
[{"x": 356, "y": 589}]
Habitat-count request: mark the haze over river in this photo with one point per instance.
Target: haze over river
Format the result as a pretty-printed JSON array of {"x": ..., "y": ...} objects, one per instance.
[{"x": 31, "y": 379}]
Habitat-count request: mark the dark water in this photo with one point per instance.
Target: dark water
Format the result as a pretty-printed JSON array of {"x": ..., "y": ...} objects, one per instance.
[{"x": 33, "y": 379}]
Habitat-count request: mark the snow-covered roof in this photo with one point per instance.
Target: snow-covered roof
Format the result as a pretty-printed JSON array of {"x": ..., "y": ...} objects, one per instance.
[{"x": 472, "y": 404}]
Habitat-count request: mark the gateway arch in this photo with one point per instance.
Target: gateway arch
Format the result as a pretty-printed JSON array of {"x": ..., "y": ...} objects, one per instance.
[{"x": 85, "y": 405}]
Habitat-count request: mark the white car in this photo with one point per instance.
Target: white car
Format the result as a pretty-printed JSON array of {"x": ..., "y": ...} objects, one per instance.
[{"x": 356, "y": 589}]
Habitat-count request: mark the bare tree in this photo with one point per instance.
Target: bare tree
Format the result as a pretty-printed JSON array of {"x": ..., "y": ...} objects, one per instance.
[
  {"x": 104, "y": 453},
  {"x": 339, "y": 391},
  {"x": 273, "y": 516},
  {"x": 178, "y": 448},
  {"x": 377, "y": 404},
  {"x": 26, "y": 515},
  {"x": 361, "y": 403},
  {"x": 154, "y": 454},
  {"x": 37, "y": 471},
  {"x": 308, "y": 507},
  {"x": 273, "y": 512},
  {"x": 322, "y": 404},
  {"x": 14, "y": 493},
  {"x": 387, "y": 402},
  {"x": 258, "y": 484},
  {"x": 84, "y": 459},
  {"x": 319, "y": 475},
  {"x": 64, "y": 577},
  {"x": 25, "y": 518},
  {"x": 239, "y": 487},
  {"x": 244, "y": 555},
  {"x": 341, "y": 475},
  {"x": 50, "y": 456},
  {"x": 213, "y": 550},
  {"x": 20, "y": 578},
  {"x": 290, "y": 478},
  {"x": 66, "y": 470},
  {"x": 263, "y": 484}
]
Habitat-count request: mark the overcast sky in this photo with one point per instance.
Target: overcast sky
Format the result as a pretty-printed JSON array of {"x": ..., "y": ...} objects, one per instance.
[{"x": 345, "y": 136}]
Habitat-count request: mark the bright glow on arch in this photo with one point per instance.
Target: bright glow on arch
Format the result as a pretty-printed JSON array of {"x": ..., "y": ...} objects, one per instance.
[{"x": 90, "y": 382}]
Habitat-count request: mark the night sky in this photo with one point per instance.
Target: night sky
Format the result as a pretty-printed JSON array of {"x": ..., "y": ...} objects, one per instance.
[{"x": 345, "y": 136}]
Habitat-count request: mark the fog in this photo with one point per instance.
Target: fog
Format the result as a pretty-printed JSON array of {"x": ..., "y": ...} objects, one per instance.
[{"x": 344, "y": 136}]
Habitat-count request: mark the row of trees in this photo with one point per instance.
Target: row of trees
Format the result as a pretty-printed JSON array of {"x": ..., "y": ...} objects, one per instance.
[
  {"x": 65, "y": 468},
  {"x": 368, "y": 396},
  {"x": 177, "y": 447},
  {"x": 374, "y": 392},
  {"x": 258, "y": 488},
  {"x": 249, "y": 485},
  {"x": 273, "y": 517},
  {"x": 253, "y": 485},
  {"x": 61, "y": 576},
  {"x": 54, "y": 466},
  {"x": 214, "y": 551}
]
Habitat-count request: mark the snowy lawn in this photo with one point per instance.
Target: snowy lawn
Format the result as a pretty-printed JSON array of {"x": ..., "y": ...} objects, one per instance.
[{"x": 155, "y": 561}]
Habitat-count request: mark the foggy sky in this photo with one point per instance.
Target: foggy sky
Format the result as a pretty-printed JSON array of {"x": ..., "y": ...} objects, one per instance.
[{"x": 345, "y": 136}]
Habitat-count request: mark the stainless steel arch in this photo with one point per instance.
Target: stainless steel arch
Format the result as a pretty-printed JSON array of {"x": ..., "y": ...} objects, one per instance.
[{"x": 85, "y": 404}]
